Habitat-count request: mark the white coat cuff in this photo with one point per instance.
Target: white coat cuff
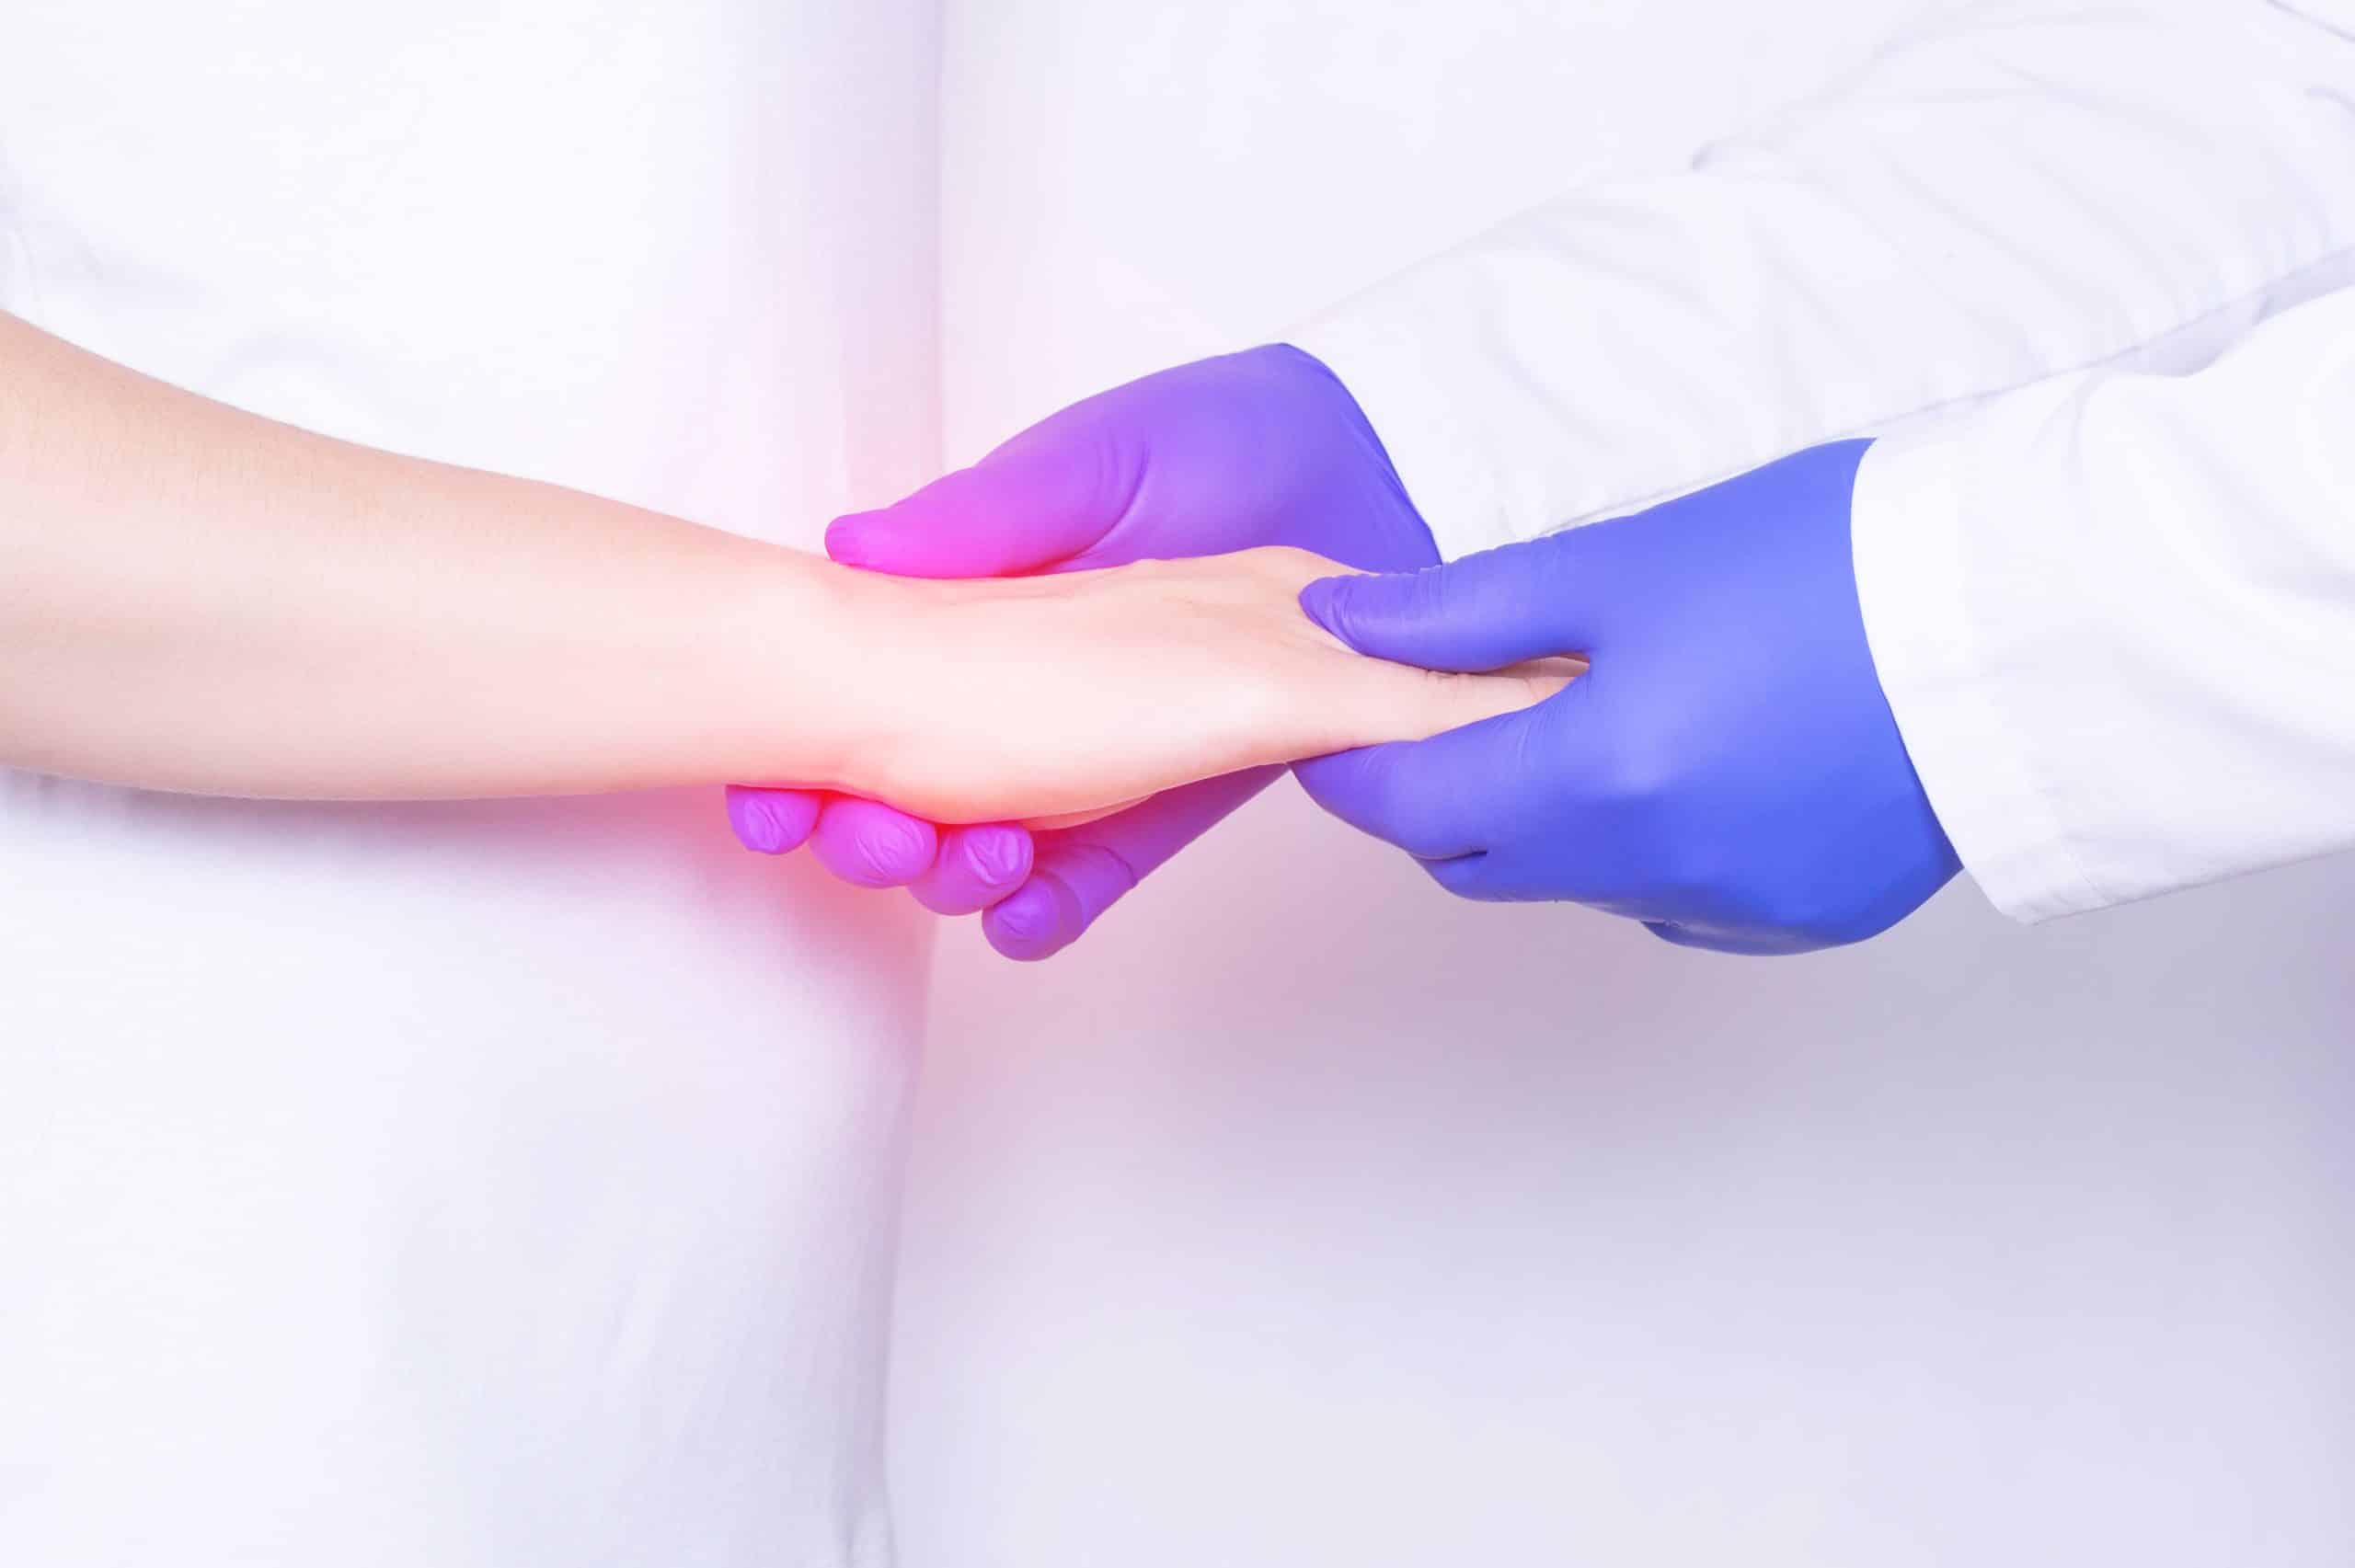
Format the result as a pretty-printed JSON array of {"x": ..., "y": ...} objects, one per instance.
[{"x": 1938, "y": 640}]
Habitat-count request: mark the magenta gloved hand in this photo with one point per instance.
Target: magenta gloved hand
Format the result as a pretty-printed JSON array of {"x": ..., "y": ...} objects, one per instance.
[
  {"x": 951, "y": 870},
  {"x": 1263, "y": 447}
]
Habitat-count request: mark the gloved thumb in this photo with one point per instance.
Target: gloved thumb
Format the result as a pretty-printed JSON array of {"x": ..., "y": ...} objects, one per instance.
[
  {"x": 1039, "y": 499},
  {"x": 1486, "y": 611}
]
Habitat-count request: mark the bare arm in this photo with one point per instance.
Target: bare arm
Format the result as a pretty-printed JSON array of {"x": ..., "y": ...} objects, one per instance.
[
  {"x": 194, "y": 598},
  {"x": 197, "y": 599}
]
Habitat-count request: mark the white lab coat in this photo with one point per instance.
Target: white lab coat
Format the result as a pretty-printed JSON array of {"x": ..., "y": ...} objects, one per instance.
[{"x": 2108, "y": 578}]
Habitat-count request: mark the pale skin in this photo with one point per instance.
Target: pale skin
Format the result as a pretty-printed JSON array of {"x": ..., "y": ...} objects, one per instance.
[{"x": 193, "y": 598}]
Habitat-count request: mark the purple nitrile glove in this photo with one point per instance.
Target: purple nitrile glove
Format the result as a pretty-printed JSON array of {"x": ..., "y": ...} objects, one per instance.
[
  {"x": 1728, "y": 770},
  {"x": 1263, "y": 447},
  {"x": 951, "y": 870}
]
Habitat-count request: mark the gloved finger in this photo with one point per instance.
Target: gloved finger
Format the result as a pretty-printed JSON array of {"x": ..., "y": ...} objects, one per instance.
[
  {"x": 1488, "y": 877},
  {"x": 1576, "y": 866},
  {"x": 1498, "y": 608},
  {"x": 1463, "y": 874},
  {"x": 772, "y": 822},
  {"x": 1082, "y": 872},
  {"x": 1447, "y": 796},
  {"x": 1046, "y": 496},
  {"x": 869, "y": 844},
  {"x": 975, "y": 867}
]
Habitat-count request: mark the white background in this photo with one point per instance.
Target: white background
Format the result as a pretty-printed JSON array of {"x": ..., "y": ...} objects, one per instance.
[{"x": 1302, "y": 1215}]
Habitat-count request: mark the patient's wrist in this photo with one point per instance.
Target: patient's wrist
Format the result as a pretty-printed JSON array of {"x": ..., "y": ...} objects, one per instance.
[{"x": 811, "y": 663}]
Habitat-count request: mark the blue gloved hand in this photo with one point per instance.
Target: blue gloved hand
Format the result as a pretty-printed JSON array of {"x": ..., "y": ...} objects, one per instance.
[
  {"x": 1726, "y": 772},
  {"x": 1263, "y": 447}
]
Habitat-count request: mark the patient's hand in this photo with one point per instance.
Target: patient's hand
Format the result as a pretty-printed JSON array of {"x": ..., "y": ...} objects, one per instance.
[
  {"x": 1043, "y": 697},
  {"x": 1261, "y": 448}
]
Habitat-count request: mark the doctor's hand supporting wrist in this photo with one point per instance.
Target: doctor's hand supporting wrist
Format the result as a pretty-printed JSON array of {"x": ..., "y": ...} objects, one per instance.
[
  {"x": 1727, "y": 771},
  {"x": 1261, "y": 448}
]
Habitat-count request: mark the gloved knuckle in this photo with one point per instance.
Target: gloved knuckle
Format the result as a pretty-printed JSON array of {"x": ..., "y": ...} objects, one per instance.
[
  {"x": 1431, "y": 594},
  {"x": 1104, "y": 871}
]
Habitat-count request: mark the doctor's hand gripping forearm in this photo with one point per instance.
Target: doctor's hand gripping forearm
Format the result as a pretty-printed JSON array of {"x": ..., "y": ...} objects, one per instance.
[{"x": 192, "y": 598}]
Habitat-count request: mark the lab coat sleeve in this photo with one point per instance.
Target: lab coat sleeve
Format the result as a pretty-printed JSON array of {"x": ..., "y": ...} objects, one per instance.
[
  {"x": 2115, "y": 616},
  {"x": 2018, "y": 191},
  {"x": 2108, "y": 578}
]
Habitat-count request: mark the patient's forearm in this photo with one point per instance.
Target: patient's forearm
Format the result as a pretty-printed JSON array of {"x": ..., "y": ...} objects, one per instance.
[
  {"x": 197, "y": 599},
  {"x": 194, "y": 598}
]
